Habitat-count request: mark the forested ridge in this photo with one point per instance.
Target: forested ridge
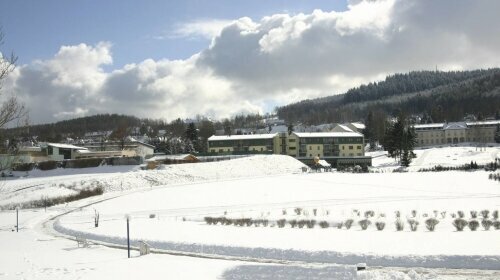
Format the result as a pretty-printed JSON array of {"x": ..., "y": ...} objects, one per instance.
[{"x": 441, "y": 96}]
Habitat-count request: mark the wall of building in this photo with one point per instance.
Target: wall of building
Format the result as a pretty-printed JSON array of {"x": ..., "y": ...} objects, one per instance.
[{"x": 441, "y": 136}]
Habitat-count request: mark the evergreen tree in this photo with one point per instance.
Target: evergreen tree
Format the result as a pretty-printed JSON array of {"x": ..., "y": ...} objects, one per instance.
[
  {"x": 497, "y": 134},
  {"x": 369, "y": 131},
  {"x": 192, "y": 141},
  {"x": 290, "y": 129},
  {"x": 400, "y": 140}
]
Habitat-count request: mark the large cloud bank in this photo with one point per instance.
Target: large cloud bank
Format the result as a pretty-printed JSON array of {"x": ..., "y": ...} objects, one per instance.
[{"x": 276, "y": 60}]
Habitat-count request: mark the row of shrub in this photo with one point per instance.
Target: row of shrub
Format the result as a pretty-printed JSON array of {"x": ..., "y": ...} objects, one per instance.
[
  {"x": 47, "y": 202},
  {"x": 460, "y": 224},
  {"x": 430, "y": 223},
  {"x": 494, "y": 176},
  {"x": 485, "y": 214},
  {"x": 77, "y": 163},
  {"x": 492, "y": 166}
]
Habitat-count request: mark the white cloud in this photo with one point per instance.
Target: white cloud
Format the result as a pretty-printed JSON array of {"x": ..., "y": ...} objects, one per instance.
[
  {"x": 276, "y": 60},
  {"x": 206, "y": 28}
]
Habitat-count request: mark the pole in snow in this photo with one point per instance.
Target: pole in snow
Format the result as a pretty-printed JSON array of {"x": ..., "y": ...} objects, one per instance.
[
  {"x": 17, "y": 219},
  {"x": 127, "y": 217}
]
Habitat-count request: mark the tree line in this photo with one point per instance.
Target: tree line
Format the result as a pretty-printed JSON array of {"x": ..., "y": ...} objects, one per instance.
[{"x": 442, "y": 96}]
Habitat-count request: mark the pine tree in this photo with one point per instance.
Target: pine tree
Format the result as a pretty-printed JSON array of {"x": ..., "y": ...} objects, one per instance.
[
  {"x": 369, "y": 131},
  {"x": 290, "y": 129},
  {"x": 192, "y": 141},
  {"x": 400, "y": 140}
]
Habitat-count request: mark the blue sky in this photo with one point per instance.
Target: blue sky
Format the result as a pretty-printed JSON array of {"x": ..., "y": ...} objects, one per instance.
[
  {"x": 37, "y": 29},
  {"x": 166, "y": 59}
]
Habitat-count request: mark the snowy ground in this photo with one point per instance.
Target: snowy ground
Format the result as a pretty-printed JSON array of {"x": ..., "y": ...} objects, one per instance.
[
  {"x": 122, "y": 178},
  {"x": 190, "y": 192},
  {"x": 337, "y": 194},
  {"x": 440, "y": 155}
]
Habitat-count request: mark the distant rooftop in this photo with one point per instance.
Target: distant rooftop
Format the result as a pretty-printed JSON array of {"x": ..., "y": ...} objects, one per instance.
[
  {"x": 66, "y": 146},
  {"x": 242, "y": 137},
  {"x": 327, "y": 134}
]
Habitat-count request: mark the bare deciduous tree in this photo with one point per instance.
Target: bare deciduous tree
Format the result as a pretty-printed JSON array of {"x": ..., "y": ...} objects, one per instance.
[{"x": 10, "y": 107}]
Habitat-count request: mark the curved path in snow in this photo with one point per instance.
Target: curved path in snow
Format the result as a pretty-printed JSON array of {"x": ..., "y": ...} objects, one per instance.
[{"x": 279, "y": 256}]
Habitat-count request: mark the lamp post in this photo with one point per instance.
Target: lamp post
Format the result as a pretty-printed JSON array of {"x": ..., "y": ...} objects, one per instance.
[
  {"x": 17, "y": 219},
  {"x": 127, "y": 217}
]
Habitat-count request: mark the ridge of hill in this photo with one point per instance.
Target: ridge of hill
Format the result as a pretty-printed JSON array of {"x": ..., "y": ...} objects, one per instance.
[{"x": 440, "y": 95}]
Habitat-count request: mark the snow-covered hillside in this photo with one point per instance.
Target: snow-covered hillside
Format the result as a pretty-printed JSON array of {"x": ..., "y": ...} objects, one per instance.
[{"x": 68, "y": 181}]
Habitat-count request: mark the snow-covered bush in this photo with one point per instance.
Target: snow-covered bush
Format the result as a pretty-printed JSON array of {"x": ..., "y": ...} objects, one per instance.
[
  {"x": 301, "y": 223},
  {"x": 315, "y": 211},
  {"x": 413, "y": 213},
  {"x": 152, "y": 216},
  {"x": 311, "y": 223},
  {"x": 473, "y": 225},
  {"x": 96, "y": 218},
  {"x": 398, "y": 214},
  {"x": 486, "y": 224},
  {"x": 495, "y": 214},
  {"x": 436, "y": 212},
  {"x": 443, "y": 214},
  {"x": 356, "y": 212},
  {"x": 459, "y": 224},
  {"x": 293, "y": 223},
  {"x": 226, "y": 221},
  {"x": 413, "y": 224},
  {"x": 259, "y": 222},
  {"x": 281, "y": 223},
  {"x": 400, "y": 225},
  {"x": 209, "y": 220},
  {"x": 485, "y": 214},
  {"x": 283, "y": 211},
  {"x": 473, "y": 214},
  {"x": 339, "y": 225},
  {"x": 324, "y": 224},
  {"x": 453, "y": 215},
  {"x": 369, "y": 214},
  {"x": 431, "y": 223},
  {"x": 461, "y": 214},
  {"x": 364, "y": 224},
  {"x": 496, "y": 224},
  {"x": 298, "y": 211},
  {"x": 380, "y": 225},
  {"x": 348, "y": 223}
]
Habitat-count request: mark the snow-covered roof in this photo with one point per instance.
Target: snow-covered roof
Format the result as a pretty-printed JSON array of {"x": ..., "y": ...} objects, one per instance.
[
  {"x": 358, "y": 125},
  {"x": 327, "y": 134},
  {"x": 323, "y": 163},
  {"x": 455, "y": 125},
  {"x": 428, "y": 125},
  {"x": 241, "y": 137},
  {"x": 66, "y": 146},
  {"x": 345, "y": 128},
  {"x": 171, "y": 157},
  {"x": 492, "y": 122}
]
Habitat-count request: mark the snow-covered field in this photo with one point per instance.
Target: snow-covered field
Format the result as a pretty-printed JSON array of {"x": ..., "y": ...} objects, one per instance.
[
  {"x": 332, "y": 193},
  {"x": 167, "y": 207},
  {"x": 440, "y": 155}
]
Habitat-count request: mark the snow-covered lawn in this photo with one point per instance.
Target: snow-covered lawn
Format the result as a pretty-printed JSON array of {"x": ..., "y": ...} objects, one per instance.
[
  {"x": 60, "y": 182},
  {"x": 334, "y": 193},
  {"x": 259, "y": 187},
  {"x": 440, "y": 155}
]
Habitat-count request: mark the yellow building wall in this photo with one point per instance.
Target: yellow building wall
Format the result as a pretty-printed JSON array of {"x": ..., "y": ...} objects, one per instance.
[
  {"x": 224, "y": 149},
  {"x": 314, "y": 150},
  {"x": 356, "y": 151}
]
